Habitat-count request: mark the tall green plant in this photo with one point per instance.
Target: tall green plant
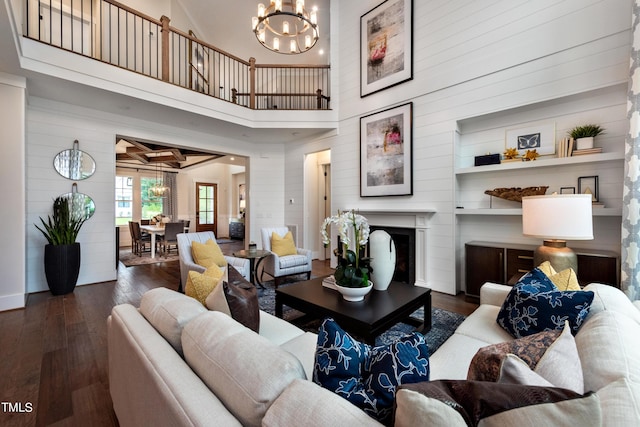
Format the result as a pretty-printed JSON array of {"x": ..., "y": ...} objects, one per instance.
[{"x": 62, "y": 228}]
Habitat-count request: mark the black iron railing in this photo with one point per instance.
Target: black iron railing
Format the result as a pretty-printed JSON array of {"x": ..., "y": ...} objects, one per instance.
[{"x": 113, "y": 33}]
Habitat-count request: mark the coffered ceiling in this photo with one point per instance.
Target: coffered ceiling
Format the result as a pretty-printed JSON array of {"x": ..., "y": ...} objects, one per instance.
[{"x": 134, "y": 152}]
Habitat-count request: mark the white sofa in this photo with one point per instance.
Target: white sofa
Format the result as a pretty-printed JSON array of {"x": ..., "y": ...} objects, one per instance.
[{"x": 232, "y": 376}]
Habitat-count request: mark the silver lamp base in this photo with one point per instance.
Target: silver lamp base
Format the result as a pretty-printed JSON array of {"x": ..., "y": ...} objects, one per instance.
[{"x": 558, "y": 254}]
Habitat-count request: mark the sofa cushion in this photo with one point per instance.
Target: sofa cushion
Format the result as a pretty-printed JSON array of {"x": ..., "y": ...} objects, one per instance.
[
  {"x": 208, "y": 253},
  {"x": 492, "y": 404},
  {"x": 621, "y": 399},
  {"x": 566, "y": 280},
  {"x": 303, "y": 347},
  {"x": 245, "y": 370},
  {"x": 283, "y": 245},
  {"x": 533, "y": 305},
  {"x": 277, "y": 330},
  {"x": 514, "y": 370},
  {"x": 365, "y": 375},
  {"x": 609, "y": 298},
  {"x": 609, "y": 349},
  {"x": 304, "y": 403},
  {"x": 238, "y": 300},
  {"x": 551, "y": 354},
  {"x": 169, "y": 311},
  {"x": 199, "y": 285}
]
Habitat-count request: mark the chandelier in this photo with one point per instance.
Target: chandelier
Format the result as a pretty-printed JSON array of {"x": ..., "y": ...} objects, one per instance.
[
  {"x": 286, "y": 26},
  {"x": 158, "y": 189}
]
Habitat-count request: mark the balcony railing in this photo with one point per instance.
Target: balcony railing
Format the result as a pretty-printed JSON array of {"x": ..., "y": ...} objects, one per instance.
[{"x": 113, "y": 33}]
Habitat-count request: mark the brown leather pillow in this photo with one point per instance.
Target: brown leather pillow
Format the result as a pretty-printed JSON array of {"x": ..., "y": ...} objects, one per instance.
[{"x": 242, "y": 298}]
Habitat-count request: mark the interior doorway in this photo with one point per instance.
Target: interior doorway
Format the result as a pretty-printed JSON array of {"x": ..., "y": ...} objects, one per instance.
[
  {"x": 317, "y": 200},
  {"x": 207, "y": 207}
]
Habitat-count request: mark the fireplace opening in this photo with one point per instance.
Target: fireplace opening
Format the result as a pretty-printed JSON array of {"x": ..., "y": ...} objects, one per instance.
[{"x": 405, "y": 242}]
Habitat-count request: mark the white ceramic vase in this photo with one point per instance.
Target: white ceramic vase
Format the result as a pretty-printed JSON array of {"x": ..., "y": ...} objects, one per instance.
[
  {"x": 354, "y": 294},
  {"x": 382, "y": 251}
]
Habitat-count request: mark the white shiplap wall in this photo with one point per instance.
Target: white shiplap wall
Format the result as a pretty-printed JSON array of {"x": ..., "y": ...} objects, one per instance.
[
  {"x": 473, "y": 58},
  {"x": 52, "y": 127}
]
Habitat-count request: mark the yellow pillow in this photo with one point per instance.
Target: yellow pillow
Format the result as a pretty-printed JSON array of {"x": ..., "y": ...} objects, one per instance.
[
  {"x": 566, "y": 280},
  {"x": 547, "y": 269},
  {"x": 283, "y": 246},
  {"x": 200, "y": 285},
  {"x": 207, "y": 254}
]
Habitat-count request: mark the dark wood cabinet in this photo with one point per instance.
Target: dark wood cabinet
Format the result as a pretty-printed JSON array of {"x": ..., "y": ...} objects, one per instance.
[
  {"x": 484, "y": 264},
  {"x": 236, "y": 230},
  {"x": 504, "y": 263}
]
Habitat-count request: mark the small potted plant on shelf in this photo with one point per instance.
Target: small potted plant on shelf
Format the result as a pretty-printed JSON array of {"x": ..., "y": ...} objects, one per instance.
[
  {"x": 584, "y": 135},
  {"x": 62, "y": 252}
]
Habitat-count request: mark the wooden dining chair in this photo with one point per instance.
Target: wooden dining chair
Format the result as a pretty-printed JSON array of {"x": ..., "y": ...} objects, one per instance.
[
  {"x": 139, "y": 243},
  {"x": 170, "y": 238}
]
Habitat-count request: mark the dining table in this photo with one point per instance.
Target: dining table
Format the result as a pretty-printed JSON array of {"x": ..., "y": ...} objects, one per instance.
[{"x": 154, "y": 230}]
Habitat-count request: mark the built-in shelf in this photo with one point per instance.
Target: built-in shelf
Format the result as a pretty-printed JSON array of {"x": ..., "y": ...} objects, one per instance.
[
  {"x": 543, "y": 162},
  {"x": 518, "y": 212}
]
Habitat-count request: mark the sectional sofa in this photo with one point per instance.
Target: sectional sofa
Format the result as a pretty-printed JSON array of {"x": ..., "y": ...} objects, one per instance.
[{"x": 172, "y": 362}]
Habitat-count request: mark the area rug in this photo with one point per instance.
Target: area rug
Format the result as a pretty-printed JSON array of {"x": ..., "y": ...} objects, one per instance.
[
  {"x": 129, "y": 259},
  {"x": 443, "y": 322}
]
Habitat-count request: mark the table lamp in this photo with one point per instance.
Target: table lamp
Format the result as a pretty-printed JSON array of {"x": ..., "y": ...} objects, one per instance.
[{"x": 557, "y": 218}]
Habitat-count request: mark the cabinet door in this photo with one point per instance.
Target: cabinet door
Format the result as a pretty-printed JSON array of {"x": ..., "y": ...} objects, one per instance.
[
  {"x": 483, "y": 264},
  {"x": 598, "y": 269},
  {"x": 519, "y": 262}
]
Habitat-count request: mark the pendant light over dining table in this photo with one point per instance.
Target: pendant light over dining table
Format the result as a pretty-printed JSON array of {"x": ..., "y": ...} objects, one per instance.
[
  {"x": 158, "y": 189},
  {"x": 286, "y": 26}
]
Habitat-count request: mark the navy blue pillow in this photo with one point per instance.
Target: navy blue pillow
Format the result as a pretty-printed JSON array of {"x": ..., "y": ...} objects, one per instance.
[
  {"x": 535, "y": 305},
  {"x": 365, "y": 375}
]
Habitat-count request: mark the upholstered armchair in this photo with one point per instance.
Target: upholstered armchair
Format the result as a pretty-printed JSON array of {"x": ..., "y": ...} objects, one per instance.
[
  {"x": 188, "y": 264},
  {"x": 280, "y": 266}
]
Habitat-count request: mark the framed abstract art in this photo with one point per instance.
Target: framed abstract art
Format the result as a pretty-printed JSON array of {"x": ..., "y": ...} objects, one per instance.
[
  {"x": 386, "y": 152},
  {"x": 386, "y": 46}
]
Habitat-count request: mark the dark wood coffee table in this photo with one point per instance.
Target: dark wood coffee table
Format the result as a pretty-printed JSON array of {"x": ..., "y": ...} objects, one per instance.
[{"x": 367, "y": 319}]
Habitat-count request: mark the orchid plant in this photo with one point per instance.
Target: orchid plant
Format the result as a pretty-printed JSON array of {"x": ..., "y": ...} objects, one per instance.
[{"x": 353, "y": 268}]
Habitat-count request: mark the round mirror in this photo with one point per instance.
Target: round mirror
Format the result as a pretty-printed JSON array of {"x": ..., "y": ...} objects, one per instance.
[
  {"x": 82, "y": 206},
  {"x": 74, "y": 163}
]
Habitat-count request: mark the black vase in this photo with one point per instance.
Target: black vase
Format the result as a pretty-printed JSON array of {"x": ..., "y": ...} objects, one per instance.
[{"x": 61, "y": 267}]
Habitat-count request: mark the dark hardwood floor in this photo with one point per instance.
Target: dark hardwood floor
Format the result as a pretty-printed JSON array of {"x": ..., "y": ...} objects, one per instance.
[{"x": 53, "y": 353}]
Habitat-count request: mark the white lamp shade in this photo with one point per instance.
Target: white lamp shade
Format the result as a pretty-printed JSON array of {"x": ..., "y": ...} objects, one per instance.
[{"x": 558, "y": 217}]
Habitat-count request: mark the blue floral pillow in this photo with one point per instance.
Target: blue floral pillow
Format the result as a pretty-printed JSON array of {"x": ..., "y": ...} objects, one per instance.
[
  {"x": 535, "y": 305},
  {"x": 365, "y": 375}
]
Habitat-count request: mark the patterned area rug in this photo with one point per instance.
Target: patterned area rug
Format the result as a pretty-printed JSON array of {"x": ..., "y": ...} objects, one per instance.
[
  {"x": 129, "y": 259},
  {"x": 444, "y": 322}
]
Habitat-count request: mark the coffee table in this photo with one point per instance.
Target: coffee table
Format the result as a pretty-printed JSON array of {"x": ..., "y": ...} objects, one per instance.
[{"x": 367, "y": 319}]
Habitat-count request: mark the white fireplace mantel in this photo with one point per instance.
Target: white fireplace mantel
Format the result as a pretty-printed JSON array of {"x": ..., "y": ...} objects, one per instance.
[{"x": 417, "y": 219}]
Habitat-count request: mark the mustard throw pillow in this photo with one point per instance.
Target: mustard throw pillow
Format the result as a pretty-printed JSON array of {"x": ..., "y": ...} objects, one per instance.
[
  {"x": 566, "y": 280},
  {"x": 283, "y": 246},
  {"x": 207, "y": 254},
  {"x": 200, "y": 285},
  {"x": 547, "y": 269}
]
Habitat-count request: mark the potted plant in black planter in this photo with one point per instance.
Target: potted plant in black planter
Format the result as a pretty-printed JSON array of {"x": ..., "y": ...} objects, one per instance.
[{"x": 62, "y": 253}]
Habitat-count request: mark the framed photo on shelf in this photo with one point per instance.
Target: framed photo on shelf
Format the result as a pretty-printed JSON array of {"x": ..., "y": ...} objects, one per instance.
[
  {"x": 386, "y": 46},
  {"x": 386, "y": 152},
  {"x": 567, "y": 190},
  {"x": 540, "y": 137},
  {"x": 589, "y": 185}
]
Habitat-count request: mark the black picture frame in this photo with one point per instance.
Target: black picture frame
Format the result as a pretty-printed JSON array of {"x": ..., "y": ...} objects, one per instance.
[
  {"x": 386, "y": 152},
  {"x": 386, "y": 46},
  {"x": 589, "y": 183},
  {"x": 567, "y": 190}
]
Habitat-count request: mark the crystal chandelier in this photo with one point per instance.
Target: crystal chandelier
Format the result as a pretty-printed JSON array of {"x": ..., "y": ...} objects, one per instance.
[{"x": 286, "y": 26}]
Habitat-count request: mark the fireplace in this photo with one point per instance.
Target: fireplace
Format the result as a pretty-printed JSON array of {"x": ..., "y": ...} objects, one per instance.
[
  {"x": 409, "y": 230},
  {"x": 404, "y": 240}
]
